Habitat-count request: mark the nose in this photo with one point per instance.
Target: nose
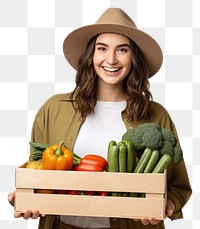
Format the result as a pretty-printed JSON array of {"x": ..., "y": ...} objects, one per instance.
[{"x": 111, "y": 58}]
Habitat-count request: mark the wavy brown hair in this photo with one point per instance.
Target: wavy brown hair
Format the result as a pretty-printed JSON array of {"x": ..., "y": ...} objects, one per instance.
[{"x": 136, "y": 85}]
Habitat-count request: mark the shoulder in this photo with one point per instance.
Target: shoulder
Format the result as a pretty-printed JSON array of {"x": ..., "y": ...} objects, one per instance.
[
  {"x": 58, "y": 103},
  {"x": 65, "y": 97},
  {"x": 56, "y": 100},
  {"x": 156, "y": 107},
  {"x": 57, "y": 107},
  {"x": 160, "y": 115},
  {"x": 48, "y": 122}
]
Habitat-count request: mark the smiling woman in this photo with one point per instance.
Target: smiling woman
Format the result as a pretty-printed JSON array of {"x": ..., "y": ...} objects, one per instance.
[{"x": 114, "y": 61}]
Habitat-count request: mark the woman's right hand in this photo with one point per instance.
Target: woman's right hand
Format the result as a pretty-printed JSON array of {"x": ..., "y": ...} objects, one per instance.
[{"x": 28, "y": 214}]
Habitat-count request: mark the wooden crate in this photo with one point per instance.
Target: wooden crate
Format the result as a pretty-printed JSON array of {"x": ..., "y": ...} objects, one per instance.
[{"x": 153, "y": 185}]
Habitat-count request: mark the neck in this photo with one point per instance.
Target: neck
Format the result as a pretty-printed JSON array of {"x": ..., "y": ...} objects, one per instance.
[{"x": 111, "y": 93}]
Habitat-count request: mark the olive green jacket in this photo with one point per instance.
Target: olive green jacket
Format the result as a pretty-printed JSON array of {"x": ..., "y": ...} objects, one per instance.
[{"x": 57, "y": 120}]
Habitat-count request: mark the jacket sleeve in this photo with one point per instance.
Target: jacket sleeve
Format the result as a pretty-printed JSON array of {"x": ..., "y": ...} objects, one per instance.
[
  {"x": 36, "y": 135},
  {"x": 178, "y": 185},
  {"x": 39, "y": 131}
]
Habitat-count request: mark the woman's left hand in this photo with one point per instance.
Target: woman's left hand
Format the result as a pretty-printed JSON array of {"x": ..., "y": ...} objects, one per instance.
[
  {"x": 170, "y": 208},
  {"x": 169, "y": 211}
]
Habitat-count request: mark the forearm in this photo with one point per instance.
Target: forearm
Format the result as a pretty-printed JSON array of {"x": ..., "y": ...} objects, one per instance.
[{"x": 178, "y": 188}]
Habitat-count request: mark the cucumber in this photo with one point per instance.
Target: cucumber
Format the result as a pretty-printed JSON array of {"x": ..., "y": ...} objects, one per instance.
[
  {"x": 113, "y": 155},
  {"x": 122, "y": 161},
  {"x": 152, "y": 161},
  {"x": 122, "y": 158},
  {"x": 120, "y": 143},
  {"x": 111, "y": 143},
  {"x": 143, "y": 161},
  {"x": 162, "y": 164},
  {"x": 113, "y": 160},
  {"x": 131, "y": 154}
]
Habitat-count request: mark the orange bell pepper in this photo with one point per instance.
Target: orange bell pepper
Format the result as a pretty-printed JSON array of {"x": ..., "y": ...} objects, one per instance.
[{"x": 57, "y": 157}]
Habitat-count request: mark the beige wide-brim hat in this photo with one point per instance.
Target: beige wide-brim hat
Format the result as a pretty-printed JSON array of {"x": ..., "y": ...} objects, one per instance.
[{"x": 113, "y": 20}]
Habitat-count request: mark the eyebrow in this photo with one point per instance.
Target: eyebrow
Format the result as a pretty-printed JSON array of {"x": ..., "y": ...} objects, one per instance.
[{"x": 118, "y": 46}]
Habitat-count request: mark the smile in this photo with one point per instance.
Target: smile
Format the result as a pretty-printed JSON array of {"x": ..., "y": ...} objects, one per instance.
[{"x": 111, "y": 69}]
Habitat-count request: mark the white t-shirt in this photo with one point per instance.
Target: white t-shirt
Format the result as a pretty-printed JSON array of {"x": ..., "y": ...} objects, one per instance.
[
  {"x": 100, "y": 128},
  {"x": 95, "y": 134}
]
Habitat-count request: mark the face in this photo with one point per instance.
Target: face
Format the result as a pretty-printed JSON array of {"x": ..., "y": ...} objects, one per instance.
[{"x": 112, "y": 58}]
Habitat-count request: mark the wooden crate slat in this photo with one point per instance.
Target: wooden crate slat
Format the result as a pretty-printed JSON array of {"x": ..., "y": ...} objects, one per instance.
[
  {"x": 125, "y": 207},
  {"x": 73, "y": 180}
]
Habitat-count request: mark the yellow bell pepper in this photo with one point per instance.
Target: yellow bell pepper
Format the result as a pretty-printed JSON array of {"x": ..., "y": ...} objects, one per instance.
[{"x": 57, "y": 157}]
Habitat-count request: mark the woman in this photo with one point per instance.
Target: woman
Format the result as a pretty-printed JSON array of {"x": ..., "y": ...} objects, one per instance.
[{"x": 114, "y": 61}]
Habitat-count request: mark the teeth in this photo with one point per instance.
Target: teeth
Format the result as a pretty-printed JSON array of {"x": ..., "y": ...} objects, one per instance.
[{"x": 111, "y": 69}]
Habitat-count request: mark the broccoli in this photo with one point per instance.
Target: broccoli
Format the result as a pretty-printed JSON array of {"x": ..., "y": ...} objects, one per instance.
[
  {"x": 133, "y": 136},
  {"x": 145, "y": 135},
  {"x": 167, "y": 148},
  {"x": 168, "y": 136},
  {"x": 151, "y": 135},
  {"x": 170, "y": 146},
  {"x": 149, "y": 131},
  {"x": 178, "y": 154},
  {"x": 130, "y": 135}
]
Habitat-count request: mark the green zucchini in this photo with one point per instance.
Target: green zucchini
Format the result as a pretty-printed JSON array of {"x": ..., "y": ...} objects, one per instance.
[
  {"x": 152, "y": 161},
  {"x": 143, "y": 161},
  {"x": 162, "y": 164},
  {"x": 113, "y": 160},
  {"x": 120, "y": 143},
  {"x": 122, "y": 158},
  {"x": 111, "y": 143},
  {"x": 131, "y": 155},
  {"x": 113, "y": 155}
]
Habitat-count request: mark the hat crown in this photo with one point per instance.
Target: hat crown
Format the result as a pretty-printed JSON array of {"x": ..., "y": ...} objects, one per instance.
[{"x": 116, "y": 16}]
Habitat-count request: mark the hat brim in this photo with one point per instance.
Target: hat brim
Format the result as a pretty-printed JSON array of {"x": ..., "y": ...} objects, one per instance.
[{"x": 76, "y": 42}]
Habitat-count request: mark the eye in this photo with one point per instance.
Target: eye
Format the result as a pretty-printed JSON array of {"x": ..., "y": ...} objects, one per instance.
[
  {"x": 101, "y": 49},
  {"x": 122, "y": 50}
]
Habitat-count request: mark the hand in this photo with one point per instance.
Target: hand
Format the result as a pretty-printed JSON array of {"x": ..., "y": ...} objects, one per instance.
[
  {"x": 146, "y": 221},
  {"x": 28, "y": 214},
  {"x": 11, "y": 198},
  {"x": 170, "y": 207}
]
